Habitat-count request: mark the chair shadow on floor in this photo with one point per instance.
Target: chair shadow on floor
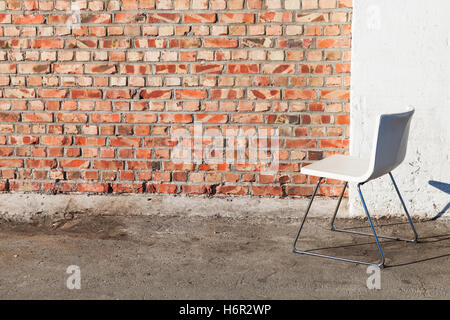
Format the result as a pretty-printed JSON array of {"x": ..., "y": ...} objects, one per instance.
[
  {"x": 445, "y": 187},
  {"x": 423, "y": 241}
]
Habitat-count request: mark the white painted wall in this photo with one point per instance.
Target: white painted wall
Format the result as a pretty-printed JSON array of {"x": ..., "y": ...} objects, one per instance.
[{"x": 400, "y": 58}]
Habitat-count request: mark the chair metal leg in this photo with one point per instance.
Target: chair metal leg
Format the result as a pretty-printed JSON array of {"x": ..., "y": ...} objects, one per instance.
[
  {"x": 406, "y": 210},
  {"x": 307, "y": 211},
  {"x": 333, "y": 228},
  {"x": 381, "y": 264},
  {"x": 337, "y": 207},
  {"x": 371, "y": 225}
]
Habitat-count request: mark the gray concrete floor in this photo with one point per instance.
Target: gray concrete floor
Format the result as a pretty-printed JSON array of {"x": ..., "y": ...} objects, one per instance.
[{"x": 156, "y": 257}]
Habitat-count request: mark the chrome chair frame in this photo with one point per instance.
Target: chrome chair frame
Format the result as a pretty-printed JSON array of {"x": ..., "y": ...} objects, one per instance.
[{"x": 373, "y": 234}]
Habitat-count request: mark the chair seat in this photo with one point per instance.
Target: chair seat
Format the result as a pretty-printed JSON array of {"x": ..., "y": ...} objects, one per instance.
[{"x": 340, "y": 167}]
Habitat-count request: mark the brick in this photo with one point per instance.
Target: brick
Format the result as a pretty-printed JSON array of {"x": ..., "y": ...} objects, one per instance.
[
  {"x": 312, "y": 17},
  {"x": 52, "y": 93},
  {"x": 61, "y": 19},
  {"x": 119, "y": 94},
  {"x": 113, "y": 44},
  {"x": 300, "y": 94},
  {"x": 56, "y": 140},
  {"x": 90, "y": 141},
  {"x": 140, "y": 118},
  {"x": 100, "y": 68},
  {"x": 299, "y": 190},
  {"x": 125, "y": 142},
  {"x": 156, "y": 94},
  {"x": 190, "y": 94},
  {"x": 181, "y": 4},
  {"x": 243, "y": 68},
  {"x": 200, "y": 18},
  {"x": 8, "y": 68},
  {"x": 343, "y": 119},
  {"x": 67, "y": 68},
  {"x": 129, "y": 17},
  {"x": 128, "y": 187},
  {"x": 105, "y": 117},
  {"x": 275, "y": 17},
  {"x": 163, "y": 18},
  {"x": 15, "y": 44},
  {"x": 108, "y": 164},
  {"x": 86, "y": 94},
  {"x": 171, "y": 69},
  {"x": 335, "y": 94},
  {"x": 333, "y": 43},
  {"x": 233, "y": 190},
  {"x": 292, "y": 4},
  {"x": 37, "y": 117},
  {"x": 72, "y": 117},
  {"x": 195, "y": 189},
  {"x": 185, "y": 43},
  {"x": 279, "y": 68},
  {"x": 176, "y": 118},
  {"x": 212, "y": 118},
  {"x": 220, "y": 43},
  {"x": 5, "y": 18},
  {"x": 41, "y": 163},
  {"x": 345, "y": 3},
  {"x": 310, "y": 4},
  {"x": 19, "y": 93},
  {"x": 301, "y": 143},
  {"x": 342, "y": 68},
  {"x": 47, "y": 43},
  {"x": 33, "y": 68},
  {"x": 135, "y": 69},
  {"x": 227, "y": 94},
  {"x": 264, "y": 94},
  {"x": 266, "y": 190},
  {"x": 162, "y": 188},
  {"x": 6, "y": 152},
  {"x": 27, "y": 19},
  {"x": 334, "y": 143},
  {"x": 9, "y": 117},
  {"x": 207, "y": 68},
  {"x": 11, "y": 163},
  {"x": 92, "y": 187},
  {"x": 24, "y": 140},
  {"x": 247, "y": 118},
  {"x": 200, "y": 4},
  {"x": 237, "y": 18}
]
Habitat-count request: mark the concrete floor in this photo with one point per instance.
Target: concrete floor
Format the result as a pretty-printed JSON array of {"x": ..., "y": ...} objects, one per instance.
[{"x": 164, "y": 257}]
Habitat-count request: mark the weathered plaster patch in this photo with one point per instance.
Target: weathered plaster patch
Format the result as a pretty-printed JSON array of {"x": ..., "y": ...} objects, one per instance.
[{"x": 403, "y": 61}]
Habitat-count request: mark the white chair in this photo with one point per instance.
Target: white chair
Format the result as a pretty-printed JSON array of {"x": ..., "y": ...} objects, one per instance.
[{"x": 389, "y": 149}]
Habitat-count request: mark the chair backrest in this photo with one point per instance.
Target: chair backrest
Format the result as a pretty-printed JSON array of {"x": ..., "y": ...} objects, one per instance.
[{"x": 390, "y": 142}]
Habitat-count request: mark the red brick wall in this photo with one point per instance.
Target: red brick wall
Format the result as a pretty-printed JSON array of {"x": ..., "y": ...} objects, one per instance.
[{"x": 103, "y": 96}]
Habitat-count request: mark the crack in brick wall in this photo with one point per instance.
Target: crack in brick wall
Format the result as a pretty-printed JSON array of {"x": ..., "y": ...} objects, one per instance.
[{"x": 92, "y": 93}]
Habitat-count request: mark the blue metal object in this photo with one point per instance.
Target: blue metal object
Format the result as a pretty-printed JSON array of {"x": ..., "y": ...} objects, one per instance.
[
  {"x": 307, "y": 210},
  {"x": 333, "y": 228},
  {"x": 371, "y": 225}
]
